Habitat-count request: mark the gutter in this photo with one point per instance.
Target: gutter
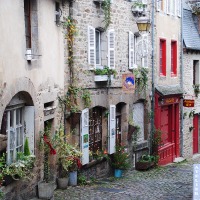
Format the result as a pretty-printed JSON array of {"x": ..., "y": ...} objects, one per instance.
[
  {"x": 153, "y": 87},
  {"x": 181, "y": 83}
]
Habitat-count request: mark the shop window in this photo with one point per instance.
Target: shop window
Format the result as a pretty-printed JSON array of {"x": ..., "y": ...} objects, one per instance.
[
  {"x": 173, "y": 58},
  {"x": 162, "y": 57},
  {"x": 95, "y": 129}
]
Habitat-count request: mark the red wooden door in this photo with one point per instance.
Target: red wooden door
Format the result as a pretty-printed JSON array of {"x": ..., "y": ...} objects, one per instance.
[
  {"x": 195, "y": 134},
  {"x": 167, "y": 150}
]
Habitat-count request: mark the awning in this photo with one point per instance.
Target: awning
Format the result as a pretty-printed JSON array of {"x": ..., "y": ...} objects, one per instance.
[{"x": 169, "y": 90}]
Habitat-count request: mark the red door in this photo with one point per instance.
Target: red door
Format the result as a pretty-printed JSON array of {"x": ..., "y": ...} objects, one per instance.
[
  {"x": 195, "y": 134},
  {"x": 167, "y": 150}
]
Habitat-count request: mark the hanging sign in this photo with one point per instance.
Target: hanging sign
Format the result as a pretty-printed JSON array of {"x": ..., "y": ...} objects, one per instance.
[
  {"x": 188, "y": 103},
  {"x": 128, "y": 83}
]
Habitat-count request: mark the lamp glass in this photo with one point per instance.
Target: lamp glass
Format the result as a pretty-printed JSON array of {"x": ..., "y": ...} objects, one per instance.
[{"x": 143, "y": 26}]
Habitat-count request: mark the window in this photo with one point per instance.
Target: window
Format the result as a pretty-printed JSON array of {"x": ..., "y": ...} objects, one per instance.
[
  {"x": 96, "y": 42},
  {"x": 95, "y": 129},
  {"x": 173, "y": 58},
  {"x": 15, "y": 133},
  {"x": 173, "y": 6},
  {"x": 141, "y": 49},
  {"x": 27, "y": 17},
  {"x": 195, "y": 72},
  {"x": 138, "y": 119},
  {"x": 168, "y": 3},
  {"x": 160, "y": 5},
  {"x": 162, "y": 57},
  {"x": 98, "y": 47},
  {"x": 57, "y": 11}
]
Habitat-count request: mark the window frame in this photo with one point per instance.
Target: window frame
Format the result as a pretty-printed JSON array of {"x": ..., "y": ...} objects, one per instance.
[
  {"x": 14, "y": 128},
  {"x": 174, "y": 58},
  {"x": 27, "y": 18},
  {"x": 162, "y": 52}
]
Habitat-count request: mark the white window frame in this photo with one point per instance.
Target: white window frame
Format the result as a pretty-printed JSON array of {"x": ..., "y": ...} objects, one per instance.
[
  {"x": 178, "y": 8},
  {"x": 158, "y": 5},
  {"x": 14, "y": 128}
]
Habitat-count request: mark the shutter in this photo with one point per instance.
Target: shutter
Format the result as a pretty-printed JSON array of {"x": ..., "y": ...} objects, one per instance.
[
  {"x": 111, "y": 49},
  {"x": 91, "y": 47},
  {"x": 112, "y": 130},
  {"x": 29, "y": 125},
  {"x": 85, "y": 136},
  {"x": 178, "y": 6},
  {"x": 145, "y": 51},
  {"x": 131, "y": 51},
  {"x": 158, "y": 5}
]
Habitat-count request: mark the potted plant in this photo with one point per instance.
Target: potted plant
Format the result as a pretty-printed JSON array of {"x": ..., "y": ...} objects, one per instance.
[
  {"x": 46, "y": 186},
  {"x": 104, "y": 74},
  {"x": 75, "y": 164},
  {"x": 196, "y": 89},
  {"x": 145, "y": 162},
  {"x": 63, "y": 151},
  {"x": 120, "y": 160}
]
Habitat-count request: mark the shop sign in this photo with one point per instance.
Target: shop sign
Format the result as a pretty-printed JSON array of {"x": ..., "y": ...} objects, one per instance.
[
  {"x": 188, "y": 103},
  {"x": 128, "y": 83}
]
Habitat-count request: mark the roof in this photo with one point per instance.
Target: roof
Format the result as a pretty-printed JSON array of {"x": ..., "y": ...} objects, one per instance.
[
  {"x": 169, "y": 90},
  {"x": 190, "y": 33}
]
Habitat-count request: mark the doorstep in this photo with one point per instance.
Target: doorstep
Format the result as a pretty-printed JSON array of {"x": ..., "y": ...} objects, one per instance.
[{"x": 179, "y": 159}]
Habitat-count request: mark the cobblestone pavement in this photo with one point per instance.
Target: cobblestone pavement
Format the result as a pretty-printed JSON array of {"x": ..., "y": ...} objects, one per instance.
[{"x": 172, "y": 182}]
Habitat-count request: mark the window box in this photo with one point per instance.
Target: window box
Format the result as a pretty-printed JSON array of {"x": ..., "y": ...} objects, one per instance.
[{"x": 99, "y": 78}]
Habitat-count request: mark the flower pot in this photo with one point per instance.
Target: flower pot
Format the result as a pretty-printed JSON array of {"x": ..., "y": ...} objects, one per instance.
[
  {"x": 63, "y": 182},
  {"x": 118, "y": 173},
  {"x": 73, "y": 178},
  {"x": 46, "y": 190}
]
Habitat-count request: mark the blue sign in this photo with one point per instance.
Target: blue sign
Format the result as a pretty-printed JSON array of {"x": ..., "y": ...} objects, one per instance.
[{"x": 196, "y": 182}]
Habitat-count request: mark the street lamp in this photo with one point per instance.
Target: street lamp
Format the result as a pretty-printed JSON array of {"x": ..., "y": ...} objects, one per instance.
[{"x": 143, "y": 24}]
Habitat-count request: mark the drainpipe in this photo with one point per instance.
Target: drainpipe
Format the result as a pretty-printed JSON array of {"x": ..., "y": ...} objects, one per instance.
[
  {"x": 153, "y": 89},
  {"x": 181, "y": 83}
]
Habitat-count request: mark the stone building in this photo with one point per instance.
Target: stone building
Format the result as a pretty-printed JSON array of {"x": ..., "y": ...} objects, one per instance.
[
  {"x": 35, "y": 70},
  {"x": 167, "y": 77},
  {"x": 191, "y": 57},
  {"x": 31, "y": 77}
]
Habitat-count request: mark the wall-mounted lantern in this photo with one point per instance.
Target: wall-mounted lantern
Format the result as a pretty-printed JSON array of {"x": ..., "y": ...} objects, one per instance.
[{"x": 143, "y": 24}]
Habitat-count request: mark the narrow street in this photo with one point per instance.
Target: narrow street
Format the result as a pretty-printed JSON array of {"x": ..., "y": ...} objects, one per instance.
[{"x": 172, "y": 182}]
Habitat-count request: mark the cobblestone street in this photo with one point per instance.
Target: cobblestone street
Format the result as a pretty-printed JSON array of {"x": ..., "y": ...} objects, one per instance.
[{"x": 171, "y": 182}]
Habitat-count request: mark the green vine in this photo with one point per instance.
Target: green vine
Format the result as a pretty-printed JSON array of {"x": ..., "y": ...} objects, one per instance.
[
  {"x": 106, "y": 9},
  {"x": 196, "y": 89},
  {"x": 141, "y": 78}
]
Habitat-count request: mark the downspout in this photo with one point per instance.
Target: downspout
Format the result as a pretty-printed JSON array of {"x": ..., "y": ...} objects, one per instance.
[
  {"x": 153, "y": 89},
  {"x": 181, "y": 83},
  {"x": 65, "y": 114}
]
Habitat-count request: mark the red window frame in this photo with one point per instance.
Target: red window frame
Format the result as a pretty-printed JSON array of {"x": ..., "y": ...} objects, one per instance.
[
  {"x": 173, "y": 58},
  {"x": 162, "y": 57}
]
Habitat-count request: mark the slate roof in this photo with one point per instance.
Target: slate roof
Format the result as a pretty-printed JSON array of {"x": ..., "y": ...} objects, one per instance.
[
  {"x": 169, "y": 90},
  {"x": 190, "y": 33}
]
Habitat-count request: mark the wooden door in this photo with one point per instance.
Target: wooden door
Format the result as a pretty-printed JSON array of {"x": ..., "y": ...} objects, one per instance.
[
  {"x": 195, "y": 134},
  {"x": 167, "y": 149}
]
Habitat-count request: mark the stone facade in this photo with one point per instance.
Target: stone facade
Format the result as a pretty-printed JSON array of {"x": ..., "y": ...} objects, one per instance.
[{"x": 38, "y": 81}]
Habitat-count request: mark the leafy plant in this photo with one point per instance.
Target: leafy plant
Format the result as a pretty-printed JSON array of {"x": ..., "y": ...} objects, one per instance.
[
  {"x": 196, "y": 89},
  {"x": 21, "y": 168},
  {"x": 45, "y": 144},
  {"x": 86, "y": 96},
  {"x": 105, "y": 71},
  {"x": 82, "y": 180},
  {"x": 141, "y": 78},
  {"x": 120, "y": 158},
  {"x": 106, "y": 9},
  {"x": 148, "y": 158},
  {"x": 63, "y": 151},
  {"x": 191, "y": 113},
  {"x": 26, "y": 148}
]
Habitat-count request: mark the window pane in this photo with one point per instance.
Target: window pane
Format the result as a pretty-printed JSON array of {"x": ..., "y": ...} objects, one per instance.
[{"x": 97, "y": 47}]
